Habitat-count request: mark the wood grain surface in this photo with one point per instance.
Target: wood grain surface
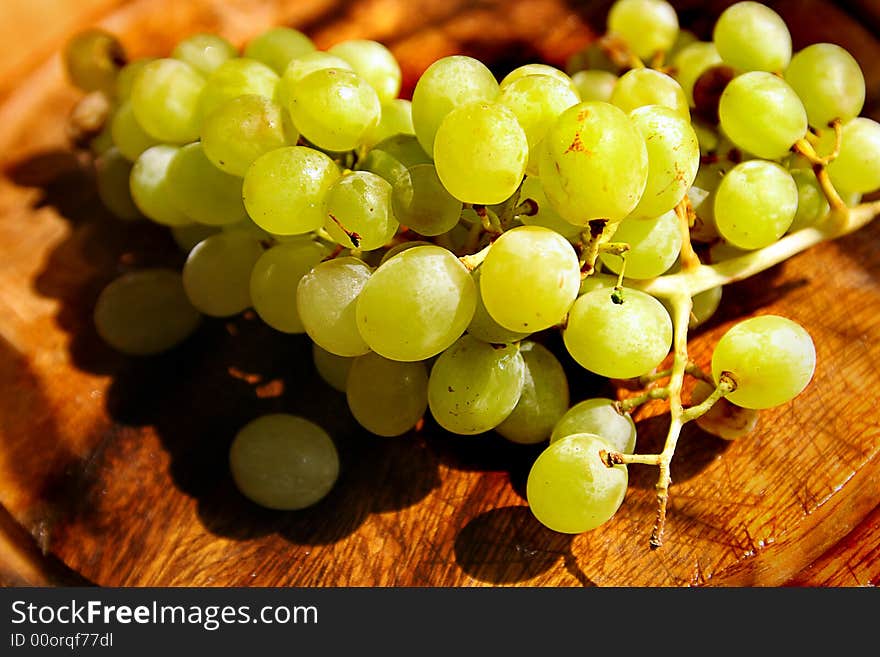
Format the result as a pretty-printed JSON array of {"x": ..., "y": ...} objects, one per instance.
[{"x": 113, "y": 470}]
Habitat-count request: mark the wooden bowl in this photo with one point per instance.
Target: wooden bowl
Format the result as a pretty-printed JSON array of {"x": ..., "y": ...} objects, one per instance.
[{"x": 113, "y": 470}]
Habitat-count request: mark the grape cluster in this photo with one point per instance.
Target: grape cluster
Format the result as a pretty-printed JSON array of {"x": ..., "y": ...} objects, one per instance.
[{"x": 426, "y": 246}]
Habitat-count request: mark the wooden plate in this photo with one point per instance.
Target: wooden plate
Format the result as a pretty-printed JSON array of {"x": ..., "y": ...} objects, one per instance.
[{"x": 113, "y": 470}]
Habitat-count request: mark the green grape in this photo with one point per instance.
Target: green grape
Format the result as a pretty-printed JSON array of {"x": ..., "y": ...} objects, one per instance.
[
  {"x": 483, "y": 327},
  {"x": 618, "y": 340},
  {"x": 530, "y": 278},
  {"x": 145, "y": 312},
  {"x": 327, "y": 301},
  {"x": 402, "y": 246},
  {"x": 724, "y": 420},
  {"x": 204, "y": 52},
  {"x": 646, "y": 86},
  {"x": 654, "y": 245},
  {"x": 386, "y": 397},
  {"x": 284, "y": 189},
  {"x": 856, "y": 170},
  {"x": 673, "y": 158},
  {"x": 283, "y": 462},
  {"x": 474, "y": 385},
  {"x": 127, "y": 75},
  {"x": 360, "y": 202},
  {"x": 128, "y": 135},
  {"x": 237, "y": 77},
  {"x": 544, "y": 398},
  {"x": 274, "y": 280},
  {"x": 165, "y": 100},
  {"x": 829, "y": 81},
  {"x": 761, "y": 114},
  {"x": 811, "y": 204},
  {"x": 755, "y": 204},
  {"x": 188, "y": 235},
  {"x": 771, "y": 358},
  {"x": 395, "y": 119},
  {"x": 647, "y": 26},
  {"x": 752, "y": 37},
  {"x": 201, "y": 191},
  {"x": 704, "y": 306},
  {"x": 597, "y": 281},
  {"x": 527, "y": 70},
  {"x": 278, "y": 46},
  {"x": 546, "y": 216},
  {"x": 416, "y": 304},
  {"x": 335, "y": 109},
  {"x": 243, "y": 129},
  {"x": 537, "y": 100},
  {"x": 392, "y": 156},
  {"x": 92, "y": 59},
  {"x": 446, "y": 84},
  {"x": 691, "y": 62},
  {"x": 420, "y": 201},
  {"x": 570, "y": 489},
  {"x": 332, "y": 369},
  {"x": 148, "y": 183},
  {"x": 481, "y": 152},
  {"x": 594, "y": 85},
  {"x": 374, "y": 63},
  {"x": 112, "y": 174},
  {"x": 602, "y": 417},
  {"x": 300, "y": 67},
  {"x": 217, "y": 273},
  {"x": 593, "y": 164}
]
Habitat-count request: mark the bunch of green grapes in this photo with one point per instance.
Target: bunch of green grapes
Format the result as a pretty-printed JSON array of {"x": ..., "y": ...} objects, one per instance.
[{"x": 427, "y": 246}]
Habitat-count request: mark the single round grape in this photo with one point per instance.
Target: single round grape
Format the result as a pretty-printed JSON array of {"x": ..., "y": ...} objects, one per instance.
[
  {"x": 278, "y": 46},
  {"x": 771, "y": 358},
  {"x": 148, "y": 183},
  {"x": 112, "y": 175},
  {"x": 724, "y": 420},
  {"x": 812, "y": 204},
  {"x": 374, "y": 62},
  {"x": 593, "y": 163},
  {"x": 327, "y": 301},
  {"x": 145, "y": 312},
  {"x": 829, "y": 81},
  {"x": 647, "y": 86},
  {"x": 618, "y": 340},
  {"x": 201, "y": 191},
  {"x": 752, "y": 37},
  {"x": 217, "y": 273},
  {"x": 204, "y": 52},
  {"x": 421, "y": 202},
  {"x": 416, "y": 304},
  {"x": 654, "y": 245},
  {"x": 599, "y": 416},
  {"x": 755, "y": 204},
  {"x": 128, "y": 135},
  {"x": 474, "y": 385},
  {"x": 762, "y": 114},
  {"x": 284, "y": 189},
  {"x": 530, "y": 278},
  {"x": 361, "y": 203},
  {"x": 570, "y": 489},
  {"x": 484, "y": 327},
  {"x": 236, "y": 77},
  {"x": 537, "y": 69},
  {"x": 273, "y": 282},
  {"x": 395, "y": 119},
  {"x": 335, "y": 109},
  {"x": 93, "y": 59},
  {"x": 594, "y": 84},
  {"x": 300, "y": 67},
  {"x": 283, "y": 462},
  {"x": 332, "y": 369},
  {"x": 448, "y": 83},
  {"x": 544, "y": 398},
  {"x": 856, "y": 170},
  {"x": 691, "y": 62},
  {"x": 481, "y": 152},
  {"x": 165, "y": 100},
  {"x": 647, "y": 26},
  {"x": 386, "y": 397},
  {"x": 243, "y": 129}
]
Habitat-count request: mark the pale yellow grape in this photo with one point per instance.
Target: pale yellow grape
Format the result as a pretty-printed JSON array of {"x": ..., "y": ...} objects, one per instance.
[
  {"x": 332, "y": 369},
  {"x": 618, "y": 340},
  {"x": 283, "y": 462},
  {"x": 771, "y": 359},
  {"x": 446, "y": 84},
  {"x": 812, "y": 204},
  {"x": 570, "y": 489},
  {"x": 546, "y": 216},
  {"x": 829, "y": 81},
  {"x": 416, "y": 304},
  {"x": 128, "y": 135},
  {"x": 201, "y": 191},
  {"x": 361, "y": 203},
  {"x": 646, "y": 86},
  {"x": 647, "y": 26},
  {"x": 386, "y": 397},
  {"x": 537, "y": 69},
  {"x": 530, "y": 278},
  {"x": 148, "y": 183},
  {"x": 395, "y": 119},
  {"x": 112, "y": 175},
  {"x": 594, "y": 85},
  {"x": 856, "y": 170},
  {"x": 204, "y": 51},
  {"x": 724, "y": 420},
  {"x": 752, "y": 37},
  {"x": 217, "y": 273},
  {"x": 597, "y": 280},
  {"x": 273, "y": 282},
  {"x": 420, "y": 202},
  {"x": 92, "y": 60},
  {"x": 284, "y": 189},
  {"x": 145, "y": 312},
  {"x": 691, "y": 62},
  {"x": 544, "y": 398},
  {"x": 392, "y": 156},
  {"x": 237, "y": 77},
  {"x": 474, "y": 385},
  {"x": 300, "y": 67},
  {"x": 165, "y": 99},
  {"x": 484, "y": 327},
  {"x": 327, "y": 301},
  {"x": 374, "y": 62},
  {"x": 402, "y": 246},
  {"x": 593, "y": 163},
  {"x": 277, "y": 46},
  {"x": 600, "y": 416},
  {"x": 654, "y": 246},
  {"x": 481, "y": 153}
]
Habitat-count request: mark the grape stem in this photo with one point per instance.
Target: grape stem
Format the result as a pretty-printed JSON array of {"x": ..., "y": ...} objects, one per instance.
[{"x": 628, "y": 404}]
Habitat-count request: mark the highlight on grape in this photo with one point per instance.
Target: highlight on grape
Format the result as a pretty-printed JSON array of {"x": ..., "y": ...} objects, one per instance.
[{"x": 428, "y": 247}]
